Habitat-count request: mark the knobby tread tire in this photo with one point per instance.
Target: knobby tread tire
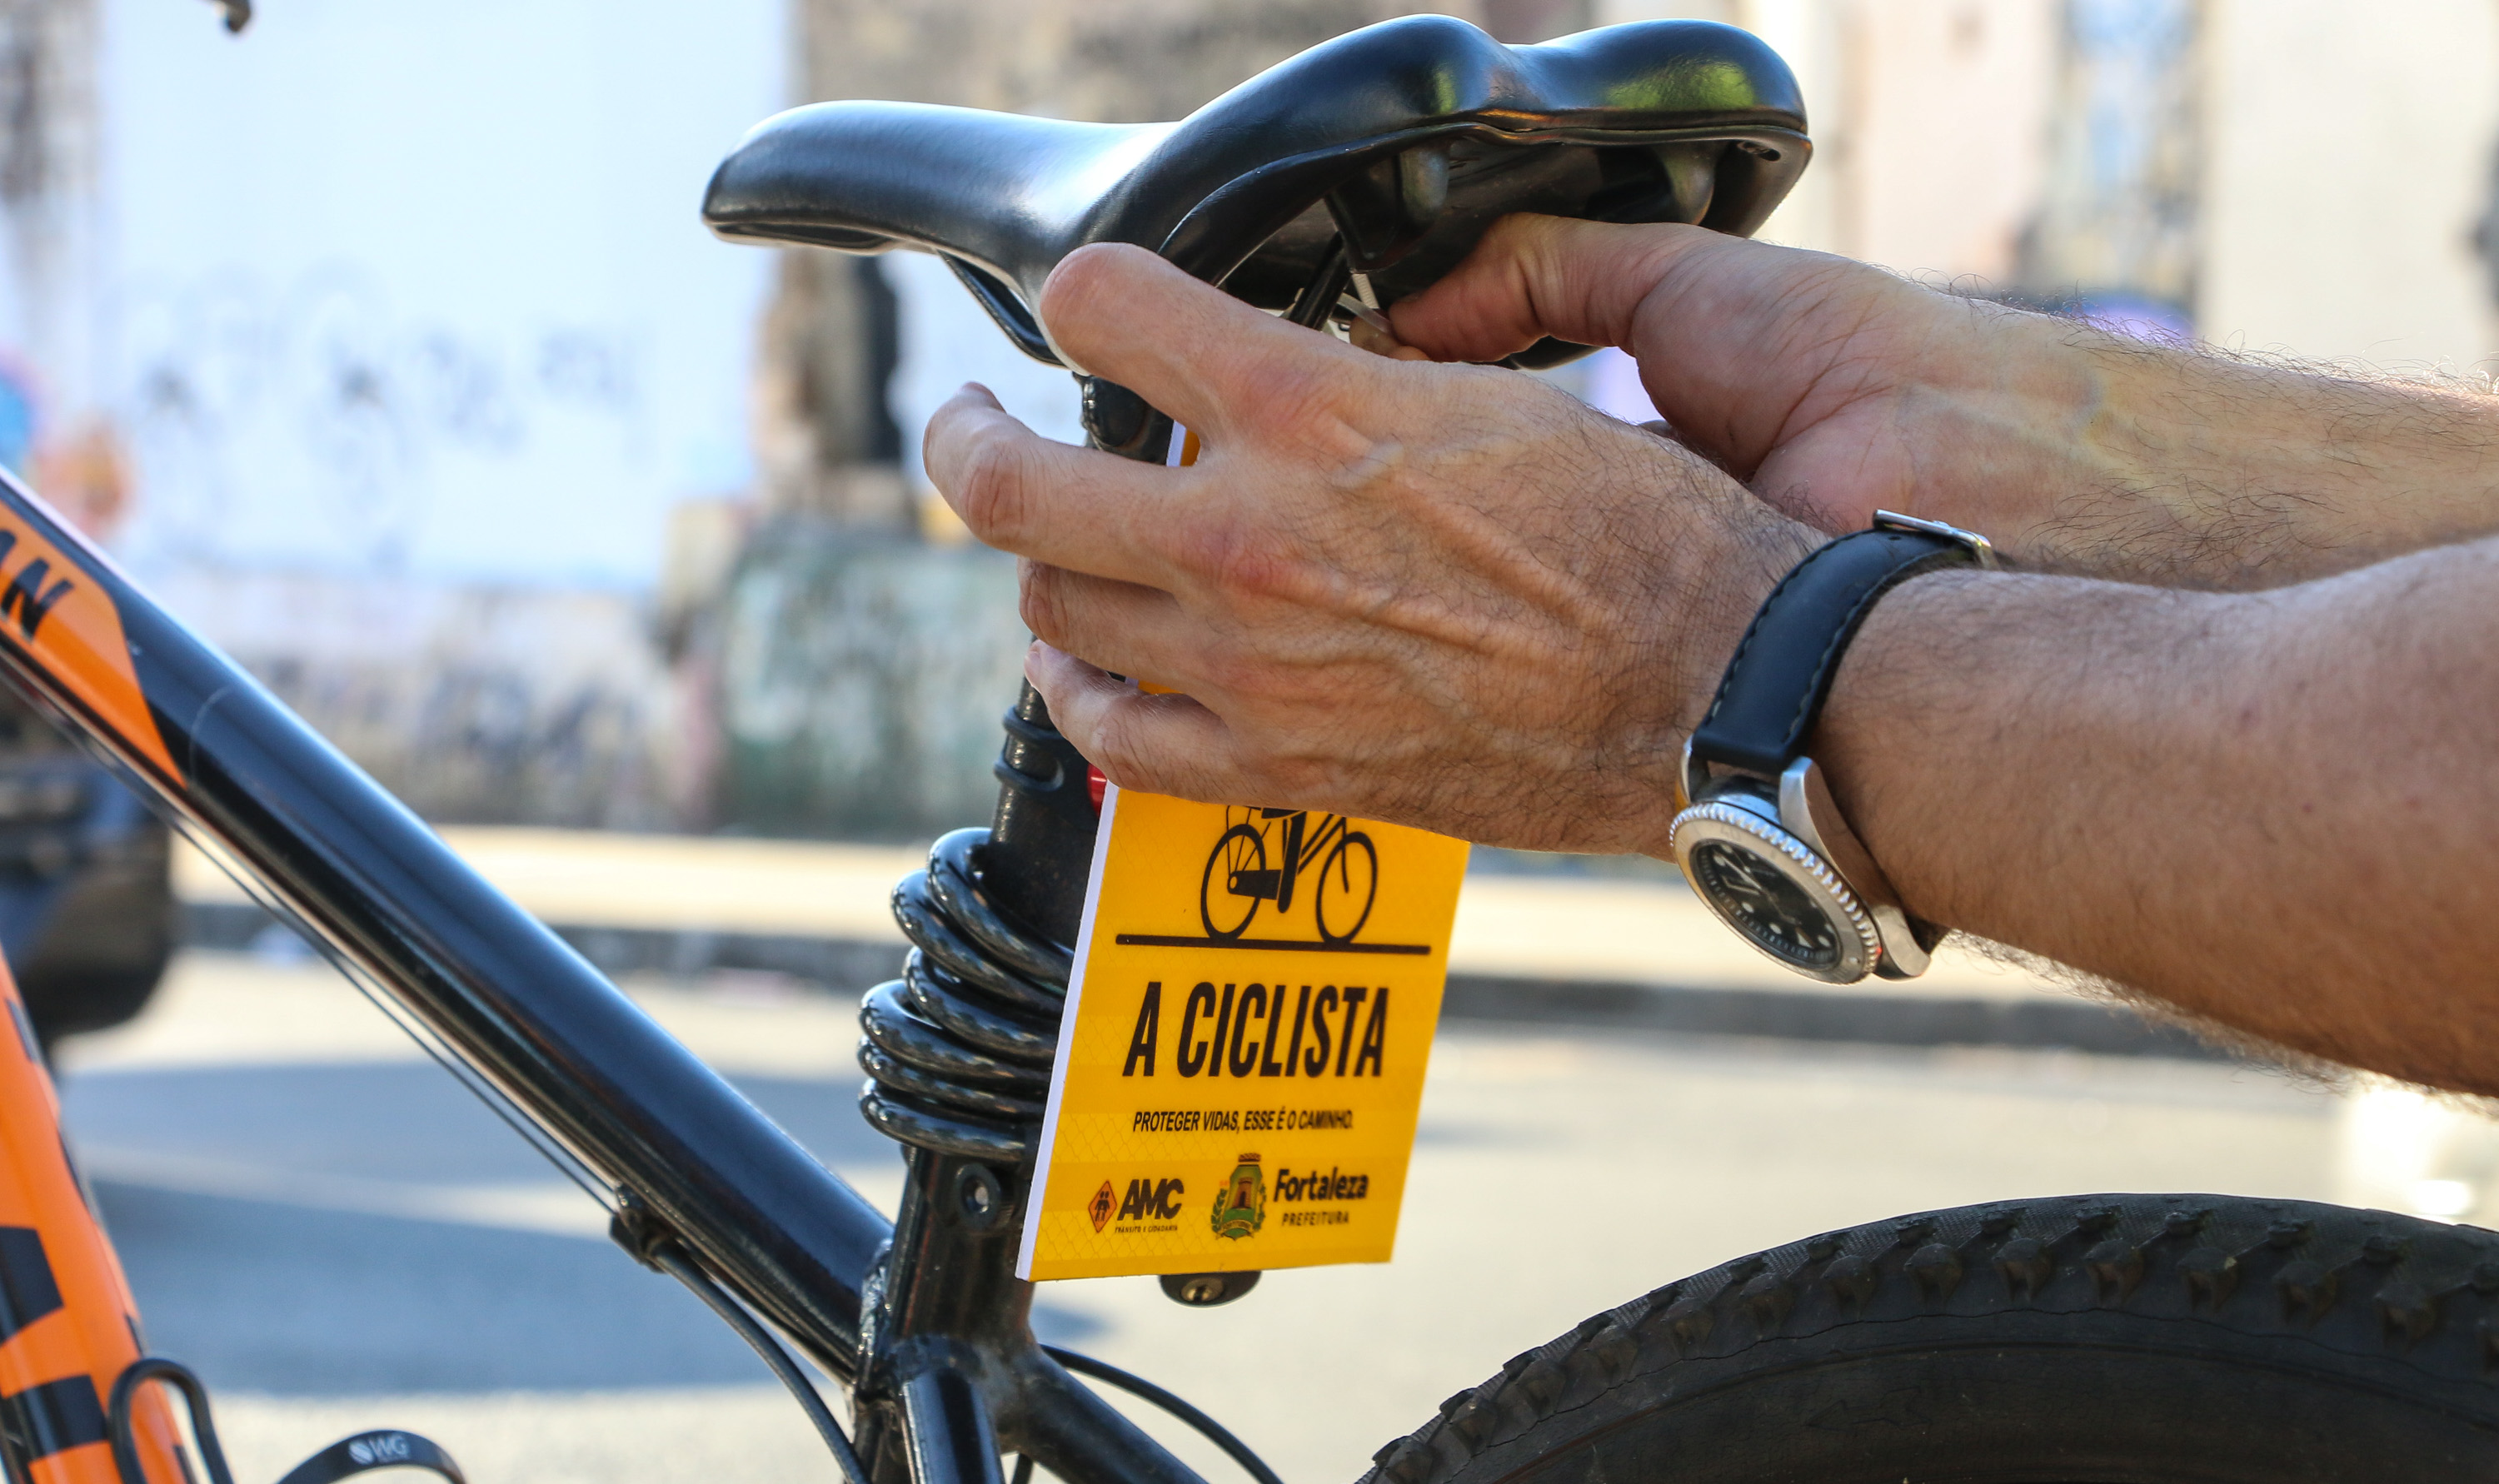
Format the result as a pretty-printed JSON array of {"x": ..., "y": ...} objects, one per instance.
[{"x": 2111, "y": 1339}]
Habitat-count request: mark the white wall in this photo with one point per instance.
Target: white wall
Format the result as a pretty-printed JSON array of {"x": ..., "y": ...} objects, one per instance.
[
  {"x": 1811, "y": 35},
  {"x": 2352, "y": 151},
  {"x": 1927, "y": 115},
  {"x": 419, "y": 287},
  {"x": 947, "y": 339},
  {"x": 1948, "y": 117}
]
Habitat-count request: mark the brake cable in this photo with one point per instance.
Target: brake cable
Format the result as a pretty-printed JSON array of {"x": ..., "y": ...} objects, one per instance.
[
  {"x": 673, "y": 1260},
  {"x": 1213, "y": 1431}
]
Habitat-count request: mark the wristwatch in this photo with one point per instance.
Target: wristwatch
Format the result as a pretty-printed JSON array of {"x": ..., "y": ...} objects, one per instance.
[{"x": 1757, "y": 834}]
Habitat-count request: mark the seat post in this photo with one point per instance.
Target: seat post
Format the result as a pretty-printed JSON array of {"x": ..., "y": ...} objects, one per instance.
[
  {"x": 947, "y": 1294},
  {"x": 1041, "y": 840}
]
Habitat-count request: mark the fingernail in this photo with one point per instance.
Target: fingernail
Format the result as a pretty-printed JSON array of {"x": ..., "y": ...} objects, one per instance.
[{"x": 1367, "y": 315}]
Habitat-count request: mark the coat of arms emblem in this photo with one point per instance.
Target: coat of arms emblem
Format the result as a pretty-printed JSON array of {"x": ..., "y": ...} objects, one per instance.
[{"x": 1240, "y": 1202}]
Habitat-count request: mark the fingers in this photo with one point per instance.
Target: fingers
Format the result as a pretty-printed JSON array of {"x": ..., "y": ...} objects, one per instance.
[
  {"x": 1380, "y": 342},
  {"x": 1206, "y": 358},
  {"x": 1137, "y": 631},
  {"x": 1071, "y": 507},
  {"x": 1533, "y": 276},
  {"x": 1162, "y": 744}
]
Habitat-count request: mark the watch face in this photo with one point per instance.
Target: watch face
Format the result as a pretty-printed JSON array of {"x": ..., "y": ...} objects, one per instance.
[{"x": 1761, "y": 902}]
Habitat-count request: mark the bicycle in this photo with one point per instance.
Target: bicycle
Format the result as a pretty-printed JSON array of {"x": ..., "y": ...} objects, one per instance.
[
  {"x": 2094, "y": 1337},
  {"x": 1344, "y": 857}
]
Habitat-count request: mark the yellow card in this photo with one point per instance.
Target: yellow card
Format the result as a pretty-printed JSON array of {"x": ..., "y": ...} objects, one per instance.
[{"x": 1247, "y": 1030}]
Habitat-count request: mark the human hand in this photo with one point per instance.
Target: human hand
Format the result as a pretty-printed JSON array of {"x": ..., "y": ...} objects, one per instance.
[
  {"x": 1444, "y": 595},
  {"x": 1833, "y": 389},
  {"x": 1830, "y": 388}
]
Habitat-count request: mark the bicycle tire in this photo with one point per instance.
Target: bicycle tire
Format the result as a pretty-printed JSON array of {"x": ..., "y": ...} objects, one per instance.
[{"x": 2096, "y": 1340}]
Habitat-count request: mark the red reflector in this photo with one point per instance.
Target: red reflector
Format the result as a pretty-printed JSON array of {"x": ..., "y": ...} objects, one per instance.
[{"x": 1094, "y": 784}]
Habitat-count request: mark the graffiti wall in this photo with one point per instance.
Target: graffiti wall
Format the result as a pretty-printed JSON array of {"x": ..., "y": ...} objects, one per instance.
[
  {"x": 382, "y": 339},
  {"x": 422, "y": 290},
  {"x": 469, "y": 700}
]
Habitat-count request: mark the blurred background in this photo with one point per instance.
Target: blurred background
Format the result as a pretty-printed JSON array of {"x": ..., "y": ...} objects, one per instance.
[{"x": 382, "y": 343}]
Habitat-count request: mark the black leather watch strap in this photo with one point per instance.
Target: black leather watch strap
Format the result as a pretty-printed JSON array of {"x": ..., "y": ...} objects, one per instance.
[{"x": 1774, "y": 687}]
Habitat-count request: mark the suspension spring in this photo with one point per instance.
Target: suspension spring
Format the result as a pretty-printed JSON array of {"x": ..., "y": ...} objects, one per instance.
[{"x": 958, "y": 1051}]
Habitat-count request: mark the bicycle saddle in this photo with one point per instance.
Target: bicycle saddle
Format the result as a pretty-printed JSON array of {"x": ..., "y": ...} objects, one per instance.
[{"x": 1386, "y": 152}]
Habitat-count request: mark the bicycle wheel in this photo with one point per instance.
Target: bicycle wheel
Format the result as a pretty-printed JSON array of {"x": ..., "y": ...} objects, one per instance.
[
  {"x": 1240, "y": 849},
  {"x": 1352, "y": 883},
  {"x": 2100, "y": 1339}
]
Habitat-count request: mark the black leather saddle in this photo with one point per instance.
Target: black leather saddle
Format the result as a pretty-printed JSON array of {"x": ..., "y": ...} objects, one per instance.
[{"x": 1385, "y": 152}]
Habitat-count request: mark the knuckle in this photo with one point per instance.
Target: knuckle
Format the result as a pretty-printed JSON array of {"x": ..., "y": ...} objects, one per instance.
[
  {"x": 1088, "y": 282},
  {"x": 1514, "y": 232},
  {"x": 1117, "y": 748},
  {"x": 1298, "y": 394},
  {"x": 1234, "y": 556},
  {"x": 1079, "y": 276},
  {"x": 993, "y": 481},
  {"x": 1228, "y": 670},
  {"x": 1043, "y": 602}
]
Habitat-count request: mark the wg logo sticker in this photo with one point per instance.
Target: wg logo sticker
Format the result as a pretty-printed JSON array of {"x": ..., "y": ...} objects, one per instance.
[{"x": 1245, "y": 977}]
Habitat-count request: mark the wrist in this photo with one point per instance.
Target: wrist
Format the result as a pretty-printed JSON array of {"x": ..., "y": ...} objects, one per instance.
[
  {"x": 1877, "y": 741},
  {"x": 1700, "y": 624},
  {"x": 2101, "y": 456},
  {"x": 1759, "y": 835},
  {"x": 2021, "y": 417}
]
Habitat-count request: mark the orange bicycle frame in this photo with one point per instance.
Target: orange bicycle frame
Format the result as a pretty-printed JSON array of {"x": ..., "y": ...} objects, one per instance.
[{"x": 68, "y": 1325}]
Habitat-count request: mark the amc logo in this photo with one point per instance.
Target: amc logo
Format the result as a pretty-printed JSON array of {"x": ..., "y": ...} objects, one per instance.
[{"x": 1147, "y": 1200}]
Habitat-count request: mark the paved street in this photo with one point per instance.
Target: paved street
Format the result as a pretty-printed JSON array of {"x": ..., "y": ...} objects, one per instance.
[
  {"x": 336, "y": 1234},
  {"x": 1630, "y": 926}
]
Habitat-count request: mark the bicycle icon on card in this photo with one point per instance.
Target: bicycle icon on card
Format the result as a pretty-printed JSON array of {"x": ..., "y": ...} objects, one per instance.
[{"x": 1238, "y": 876}]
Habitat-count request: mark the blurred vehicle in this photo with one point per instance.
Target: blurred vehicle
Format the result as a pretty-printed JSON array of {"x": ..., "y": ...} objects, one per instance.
[{"x": 87, "y": 915}]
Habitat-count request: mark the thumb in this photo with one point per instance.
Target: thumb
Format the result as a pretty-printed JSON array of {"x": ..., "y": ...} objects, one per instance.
[{"x": 1531, "y": 277}]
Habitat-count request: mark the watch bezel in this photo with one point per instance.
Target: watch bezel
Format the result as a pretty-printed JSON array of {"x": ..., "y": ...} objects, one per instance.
[{"x": 1749, "y": 820}]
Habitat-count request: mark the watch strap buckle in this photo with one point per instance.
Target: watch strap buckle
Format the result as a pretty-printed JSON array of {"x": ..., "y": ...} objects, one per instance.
[{"x": 1981, "y": 549}]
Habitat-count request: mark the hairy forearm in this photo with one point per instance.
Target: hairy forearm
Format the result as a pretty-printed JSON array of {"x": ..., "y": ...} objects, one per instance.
[
  {"x": 2275, "y": 810},
  {"x": 2088, "y": 453}
]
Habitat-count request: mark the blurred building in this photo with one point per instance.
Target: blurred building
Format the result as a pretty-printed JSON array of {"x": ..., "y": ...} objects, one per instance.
[
  {"x": 52, "y": 376},
  {"x": 2295, "y": 177},
  {"x": 858, "y": 658},
  {"x": 384, "y": 344},
  {"x": 395, "y": 326}
]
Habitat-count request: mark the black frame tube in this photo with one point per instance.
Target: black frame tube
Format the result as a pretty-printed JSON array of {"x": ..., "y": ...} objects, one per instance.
[
  {"x": 680, "y": 1146},
  {"x": 925, "y": 1320},
  {"x": 689, "y": 1165}
]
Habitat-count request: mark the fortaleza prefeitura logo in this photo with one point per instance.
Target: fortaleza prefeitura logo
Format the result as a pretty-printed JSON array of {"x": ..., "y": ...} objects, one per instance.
[{"x": 1241, "y": 1206}]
